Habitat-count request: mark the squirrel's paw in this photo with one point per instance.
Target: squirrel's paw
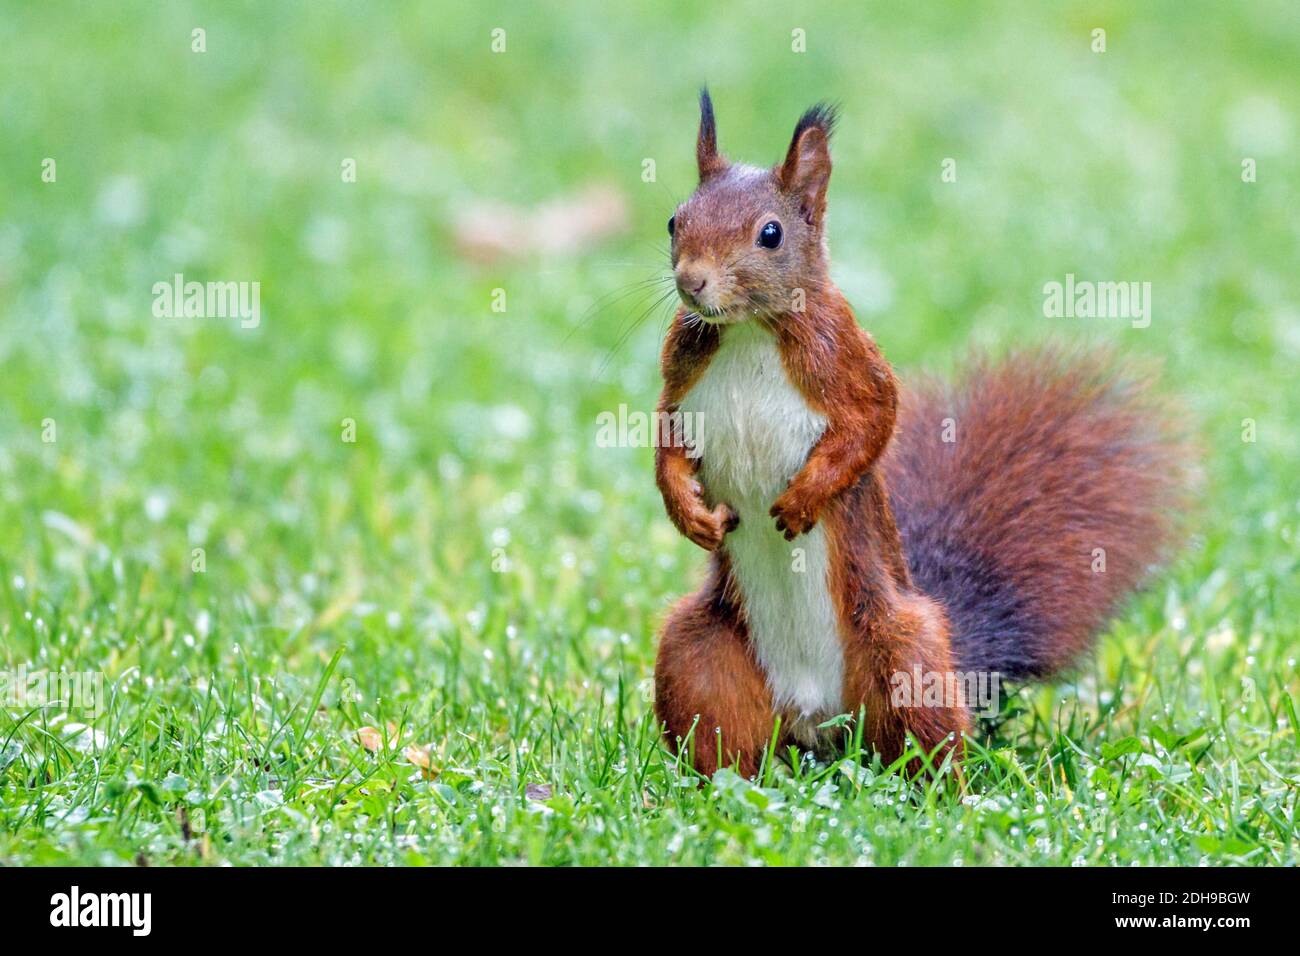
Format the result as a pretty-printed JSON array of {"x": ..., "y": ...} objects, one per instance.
[
  {"x": 707, "y": 528},
  {"x": 793, "y": 516}
]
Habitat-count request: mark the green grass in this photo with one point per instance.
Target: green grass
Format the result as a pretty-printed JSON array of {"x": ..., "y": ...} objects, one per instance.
[{"x": 353, "y": 584}]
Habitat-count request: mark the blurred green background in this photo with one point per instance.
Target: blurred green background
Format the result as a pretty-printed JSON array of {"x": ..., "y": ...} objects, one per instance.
[{"x": 490, "y": 577}]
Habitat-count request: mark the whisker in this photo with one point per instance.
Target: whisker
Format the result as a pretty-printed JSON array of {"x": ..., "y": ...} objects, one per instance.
[
  {"x": 672, "y": 194},
  {"x": 612, "y": 298},
  {"x": 641, "y": 299},
  {"x": 623, "y": 337},
  {"x": 665, "y": 251},
  {"x": 663, "y": 323}
]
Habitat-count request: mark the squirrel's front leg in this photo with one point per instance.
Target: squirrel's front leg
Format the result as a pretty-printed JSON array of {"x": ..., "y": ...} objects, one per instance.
[
  {"x": 854, "y": 438},
  {"x": 844, "y": 377},
  {"x": 684, "y": 499},
  {"x": 835, "y": 463}
]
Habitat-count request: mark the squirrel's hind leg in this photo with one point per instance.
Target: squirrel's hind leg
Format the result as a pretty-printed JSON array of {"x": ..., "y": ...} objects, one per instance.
[
  {"x": 710, "y": 692},
  {"x": 904, "y": 673}
]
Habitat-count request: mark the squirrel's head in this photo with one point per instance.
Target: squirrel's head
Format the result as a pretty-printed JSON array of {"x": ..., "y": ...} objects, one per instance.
[{"x": 749, "y": 241}]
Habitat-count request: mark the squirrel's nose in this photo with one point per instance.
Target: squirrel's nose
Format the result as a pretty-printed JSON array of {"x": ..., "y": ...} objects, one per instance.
[{"x": 691, "y": 283}]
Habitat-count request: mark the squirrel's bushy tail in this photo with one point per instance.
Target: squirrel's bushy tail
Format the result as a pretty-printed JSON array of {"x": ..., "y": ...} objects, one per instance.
[{"x": 1032, "y": 497}]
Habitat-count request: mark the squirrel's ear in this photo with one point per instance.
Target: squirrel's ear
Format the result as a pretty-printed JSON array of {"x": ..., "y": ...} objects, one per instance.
[
  {"x": 806, "y": 171},
  {"x": 706, "y": 145}
]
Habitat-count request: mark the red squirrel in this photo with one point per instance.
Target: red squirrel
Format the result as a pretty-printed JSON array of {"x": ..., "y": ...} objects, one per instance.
[{"x": 859, "y": 532}]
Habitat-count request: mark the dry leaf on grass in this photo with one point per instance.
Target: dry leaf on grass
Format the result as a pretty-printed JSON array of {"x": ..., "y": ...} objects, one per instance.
[
  {"x": 373, "y": 740},
  {"x": 422, "y": 758},
  {"x": 488, "y": 231}
]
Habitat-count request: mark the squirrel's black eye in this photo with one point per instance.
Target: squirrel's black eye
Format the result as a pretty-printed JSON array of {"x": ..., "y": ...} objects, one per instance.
[
  {"x": 672, "y": 224},
  {"x": 769, "y": 237}
]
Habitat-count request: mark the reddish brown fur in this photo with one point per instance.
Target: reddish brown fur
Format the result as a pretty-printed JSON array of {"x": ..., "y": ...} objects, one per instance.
[
  {"x": 1046, "y": 456},
  {"x": 1057, "y": 455},
  {"x": 887, "y": 626},
  {"x": 708, "y": 687}
]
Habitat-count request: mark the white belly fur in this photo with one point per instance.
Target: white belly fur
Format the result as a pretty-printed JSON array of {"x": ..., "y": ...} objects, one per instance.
[{"x": 754, "y": 431}]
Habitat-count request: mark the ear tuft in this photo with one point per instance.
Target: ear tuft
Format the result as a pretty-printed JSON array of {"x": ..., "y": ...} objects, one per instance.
[
  {"x": 706, "y": 146},
  {"x": 806, "y": 171},
  {"x": 822, "y": 116},
  {"x": 708, "y": 126}
]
